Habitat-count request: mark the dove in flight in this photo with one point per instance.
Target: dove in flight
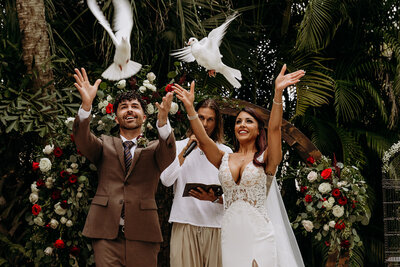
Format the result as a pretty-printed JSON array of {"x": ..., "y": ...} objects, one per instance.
[
  {"x": 206, "y": 53},
  {"x": 122, "y": 67}
]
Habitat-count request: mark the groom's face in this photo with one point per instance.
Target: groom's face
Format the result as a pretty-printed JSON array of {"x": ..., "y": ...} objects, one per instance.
[{"x": 130, "y": 115}]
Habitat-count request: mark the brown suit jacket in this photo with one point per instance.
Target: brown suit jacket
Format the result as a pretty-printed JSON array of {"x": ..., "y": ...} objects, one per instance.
[{"x": 137, "y": 188}]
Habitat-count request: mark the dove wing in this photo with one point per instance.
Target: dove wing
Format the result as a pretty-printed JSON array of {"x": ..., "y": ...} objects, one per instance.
[
  {"x": 92, "y": 4},
  {"x": 216, "y": 35},
  {"x": 123, "y": 19},
  {"x": 184, "y": 54}
]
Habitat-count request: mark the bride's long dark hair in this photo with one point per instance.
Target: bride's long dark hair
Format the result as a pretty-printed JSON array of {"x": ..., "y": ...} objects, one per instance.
[{"x": 261, "y": 140}]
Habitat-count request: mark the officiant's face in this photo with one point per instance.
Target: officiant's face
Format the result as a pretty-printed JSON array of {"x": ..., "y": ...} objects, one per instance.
[
  {"x": 130, "y": 115},
  {"x": 246, "y": 127},
  {"x": 207, "y": 118}
]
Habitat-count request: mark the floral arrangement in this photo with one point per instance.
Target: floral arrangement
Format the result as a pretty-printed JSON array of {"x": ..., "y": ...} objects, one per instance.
[
  {"x": 64, "y": 180},
  {"x": 334, "y": 202},
  {"x": 388, "y": 155}
]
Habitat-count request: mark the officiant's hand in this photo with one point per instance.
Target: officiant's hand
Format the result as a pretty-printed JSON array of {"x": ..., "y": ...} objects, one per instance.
[
  {"x": 202, "y": 194},
  {"x": 191, "y": 140},
  {"x": 87, "y": 91}
]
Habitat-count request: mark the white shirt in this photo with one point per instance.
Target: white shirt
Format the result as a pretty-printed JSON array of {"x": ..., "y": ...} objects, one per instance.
[{"x": 195, "y": 169}]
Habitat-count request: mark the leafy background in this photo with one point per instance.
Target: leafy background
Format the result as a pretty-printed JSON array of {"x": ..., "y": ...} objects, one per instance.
[{"x": 347, "y": 103}]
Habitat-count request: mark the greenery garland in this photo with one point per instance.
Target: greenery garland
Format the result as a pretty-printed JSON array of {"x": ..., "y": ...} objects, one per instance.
[{"x": 388, "y": 155}]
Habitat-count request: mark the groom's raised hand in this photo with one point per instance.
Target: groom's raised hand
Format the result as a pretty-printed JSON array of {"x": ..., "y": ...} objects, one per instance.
[
  {"x": 86, "y": 90},
  {"x": 164, "y": 108}
]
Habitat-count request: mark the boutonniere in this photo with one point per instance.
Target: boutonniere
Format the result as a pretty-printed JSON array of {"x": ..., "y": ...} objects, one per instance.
[{"x": 142, "y": 141}]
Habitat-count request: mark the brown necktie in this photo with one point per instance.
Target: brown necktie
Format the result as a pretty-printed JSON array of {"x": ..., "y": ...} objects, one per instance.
[{"x": 128, "y": 161}]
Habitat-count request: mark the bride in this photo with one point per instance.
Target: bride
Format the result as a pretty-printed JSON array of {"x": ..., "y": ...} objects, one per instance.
[{"x": 255, "y": 228}]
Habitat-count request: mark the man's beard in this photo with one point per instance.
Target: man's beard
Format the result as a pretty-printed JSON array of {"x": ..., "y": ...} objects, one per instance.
[{"x": 130, "y": 128}]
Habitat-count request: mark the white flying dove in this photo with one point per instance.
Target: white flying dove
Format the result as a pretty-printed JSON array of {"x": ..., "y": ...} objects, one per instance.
[
  {"x": 122, "y": 67},
  {"x": 207, "y": 54}
]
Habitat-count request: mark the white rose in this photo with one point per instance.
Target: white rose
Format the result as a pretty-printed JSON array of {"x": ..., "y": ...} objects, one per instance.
[
  {"x": 331, "y": 200},
  {"x": 69, "y": 170},
  {"x": 79, "y": 194},
  {"x": 74, "y": 165},
  {"x": 308, "y": 225},
  {"x": 150, "y": 109},
  {"x": 174, "y": 108},
  {"x": 48, "y": 251},
  {"x": 338, "y": 211},
  {"x": 149, "y": 126},
  {"x": 49, "y": 182},
  {"x": 34, "y": 187},
  {"x": 100, "y": 105},
  {"x": 48, "y": 149},
  {"x": 100, "y": 122},
  {"x": 324, "y": 188},
  {"x": 44, "y": 164},
  {"x": 59, "y": 210},
  {"x": 63, "y": 220},
  {"x": 53, "y": 223},
  {"x": 109, "y": 98},
  {"x": 69, "y": 223},
  {"x": 69, "y": 120},
  {"x": 312, "y": 176},
  {"x": 342, "y": 183},
  {"x": 150, "y": 86},
  {"x": 332, "y": 224},
  {"x": 38, "y": 220},
  {"x": 146, "y": 82},
  {"x": 121, "y": 84},
  {"x": 142, "y": 89},
  {"x": 328, "y": 205},
  {"x": 105, "y": 103},
  {"x": 33, "y": 197},
  {"x": 151, "y": 76},
  {"x": 326, "y": 227}
]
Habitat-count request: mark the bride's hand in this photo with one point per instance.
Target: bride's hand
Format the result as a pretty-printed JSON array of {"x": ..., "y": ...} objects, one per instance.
[
  {"x": 283, "y": 81},
  {"x": 187, "y": 97}
]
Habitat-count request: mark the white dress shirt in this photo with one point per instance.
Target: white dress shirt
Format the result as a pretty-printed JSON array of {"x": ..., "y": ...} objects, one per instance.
[{"x": 195, "y": 169}]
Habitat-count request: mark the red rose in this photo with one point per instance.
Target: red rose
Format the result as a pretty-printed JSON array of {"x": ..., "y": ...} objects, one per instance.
[
  {"x": 340, "y": 225},
  {"x": 303, "y": 189},
  {"x": 64, "y": 204},
  {"x": 146, "y": 99},
  {"x": 327, "y": 243},
  {"x": 57, "y": 152},
  {"x": 39, "y": 183},
  {"x": 63, "y": 174},
  {"x": 35, "y": 166},
  {"x": 168, "y": 88},
  {"x": 109, "y": 108},
  {"x": 56, "y": 194},
  {"x": 310, "y": 160},
  {"x": 336, "y": 192},
  {"x": 59, "y": 244},
  {"x": 74, "y": 251},
  {"x": 308, "y": 198},
  {"x": 353, "y": 205},
  {"x": 345, "y": 244},
  {"x": 72, "y": 138},
  {"x": 326, "y": 174},
  {"x": 36, "y": 209},
  {"x": 72, "y": 178},
  {"x": 342, "y": 200}
]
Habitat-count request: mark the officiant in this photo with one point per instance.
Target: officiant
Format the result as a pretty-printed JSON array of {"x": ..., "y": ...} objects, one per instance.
[{"x": 196, "y": 218}]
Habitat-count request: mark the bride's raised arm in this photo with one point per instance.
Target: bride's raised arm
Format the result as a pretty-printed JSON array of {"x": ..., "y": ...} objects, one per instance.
[
  {"x": 210, "y": 149},
  {"x": 273, "y": 156}
]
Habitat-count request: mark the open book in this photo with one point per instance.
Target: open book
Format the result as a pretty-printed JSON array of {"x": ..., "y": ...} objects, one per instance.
[{"x": 206, "y": 187}]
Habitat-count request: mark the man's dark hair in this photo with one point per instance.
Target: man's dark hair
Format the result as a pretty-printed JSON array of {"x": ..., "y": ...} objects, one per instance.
[
  {"x": 218, "y": 133},
  {"x": 130, "y": 95}
]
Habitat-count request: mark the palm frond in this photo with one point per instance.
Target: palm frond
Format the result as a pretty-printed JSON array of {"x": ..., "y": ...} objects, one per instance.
[{"x": 348, "y": 102}]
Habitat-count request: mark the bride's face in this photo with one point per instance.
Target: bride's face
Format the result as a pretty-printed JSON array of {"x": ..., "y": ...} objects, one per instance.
[{"x": 246, "y": 127}]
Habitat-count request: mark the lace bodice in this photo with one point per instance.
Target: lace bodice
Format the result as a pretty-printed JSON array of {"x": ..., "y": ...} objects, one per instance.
[{"x": 253, "y": 187}]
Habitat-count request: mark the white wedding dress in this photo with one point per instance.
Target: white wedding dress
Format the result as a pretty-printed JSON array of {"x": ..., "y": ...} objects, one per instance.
[{"x": 255, "y": 227}]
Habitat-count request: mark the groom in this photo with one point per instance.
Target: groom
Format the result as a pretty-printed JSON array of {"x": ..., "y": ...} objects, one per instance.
[{"x": 123, "y": 219}]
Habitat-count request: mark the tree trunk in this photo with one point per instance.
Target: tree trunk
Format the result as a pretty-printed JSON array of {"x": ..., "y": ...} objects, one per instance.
[{"x": 35, "y": 42}]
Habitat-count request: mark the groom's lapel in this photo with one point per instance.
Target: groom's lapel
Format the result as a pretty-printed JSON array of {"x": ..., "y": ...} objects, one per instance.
[
  {"x": 135, "y": 158},
  {"x": 120, "y": 151}
]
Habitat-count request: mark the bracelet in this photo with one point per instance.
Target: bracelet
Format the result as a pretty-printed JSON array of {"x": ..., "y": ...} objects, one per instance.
[
  {"x": 192, "y": 117},
  {"x": 278, "y": 103},
  {"x": 216, "y": 200}
]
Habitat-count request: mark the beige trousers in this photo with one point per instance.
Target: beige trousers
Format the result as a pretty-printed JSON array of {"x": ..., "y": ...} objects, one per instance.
[{"x": 194, "y": 246}]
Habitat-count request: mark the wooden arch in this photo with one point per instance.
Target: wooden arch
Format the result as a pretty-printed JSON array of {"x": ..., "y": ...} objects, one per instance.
[{"x": 290, "y": 134}]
